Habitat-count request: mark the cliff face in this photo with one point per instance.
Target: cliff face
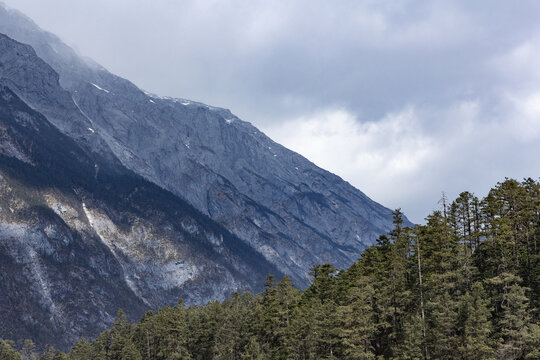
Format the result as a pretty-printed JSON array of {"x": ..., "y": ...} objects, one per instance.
[
  {"x": 286, "y": 208},
  {"x": 79, "y": 239}
]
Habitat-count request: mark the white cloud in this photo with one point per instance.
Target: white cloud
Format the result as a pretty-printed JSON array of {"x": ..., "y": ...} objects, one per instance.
[
  {"x": 520, "y": 62},
  {"x": 406, "y": 158},
  {"x": 525, "y": 115},
  {"x": 336, "y": 140},
  {"x": 382, "y": 158}
]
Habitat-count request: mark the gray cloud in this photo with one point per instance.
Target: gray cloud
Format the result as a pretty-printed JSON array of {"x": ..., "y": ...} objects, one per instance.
[{"x": 401, "y": 98}]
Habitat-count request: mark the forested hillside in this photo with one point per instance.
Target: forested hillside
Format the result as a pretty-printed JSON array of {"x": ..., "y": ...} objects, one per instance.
[{"x": 466, "y": 285}]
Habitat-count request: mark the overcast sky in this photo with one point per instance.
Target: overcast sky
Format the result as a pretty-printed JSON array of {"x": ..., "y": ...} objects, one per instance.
[{"x": 403, "y": 99}]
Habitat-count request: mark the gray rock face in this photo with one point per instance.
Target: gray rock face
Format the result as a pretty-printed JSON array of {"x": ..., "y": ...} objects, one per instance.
[
  {"x": 282, "y": 205},
  {"x": 76, "y": 244}
]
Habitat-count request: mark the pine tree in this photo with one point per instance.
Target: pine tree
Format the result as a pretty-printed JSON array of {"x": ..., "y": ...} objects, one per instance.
[
  {"x": 400, "y": 276},
  {"x": 514, "y": 320},
  {"x": 81, "y": 350},
  {"x": 357, "y": 327},
  {"x": 477, "y": 331},
  {"x": 7, "y": 352},
  {"x": 304, "y": 334},
  {"x": 532, "y": 350},
  {"x": 412, "y": 345},
  {"x": 324, "y": 283},
  {"x": 441, "y": 264},
  {"x": 232, "y": 335},
  {"x": 130, "y": 352},
  {"x": 253, "y": 351},
  {"x": 28, "y": 350},
  {"x": 53, "y": 354}
]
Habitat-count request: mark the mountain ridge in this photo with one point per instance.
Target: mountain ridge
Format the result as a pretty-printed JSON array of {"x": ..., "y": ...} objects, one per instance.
[
  {"x": 274, "y": 199},
  {"x": 176, "y": 199},
  {"x": 77, "y": 245}
]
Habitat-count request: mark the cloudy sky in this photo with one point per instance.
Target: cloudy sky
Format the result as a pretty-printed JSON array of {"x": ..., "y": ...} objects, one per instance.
[{"x": 403, "y": 99}]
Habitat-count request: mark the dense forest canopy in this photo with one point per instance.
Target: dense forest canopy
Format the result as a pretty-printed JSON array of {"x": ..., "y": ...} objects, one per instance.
[{"x": 466, "y": 285}]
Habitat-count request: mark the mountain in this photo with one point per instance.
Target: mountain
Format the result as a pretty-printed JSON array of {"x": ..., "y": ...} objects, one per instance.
[
  {"x": 114, "y": 197},
  {"x": 79, "y": 239},
  {"x": 285, "y": 207}
]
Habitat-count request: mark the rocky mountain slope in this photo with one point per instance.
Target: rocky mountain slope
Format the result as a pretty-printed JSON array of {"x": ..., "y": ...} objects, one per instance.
[
  {"x": 279, "y": 203},
  {"x": 111, "y": 197},
  {"x": 80, "y": 239}
]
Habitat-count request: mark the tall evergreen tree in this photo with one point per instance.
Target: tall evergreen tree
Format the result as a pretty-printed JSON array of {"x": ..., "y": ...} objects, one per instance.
[
  {"x": 476, "y": 328},
  {"x": 7, "y": 352},
  {"x": 357, "y": 327}
]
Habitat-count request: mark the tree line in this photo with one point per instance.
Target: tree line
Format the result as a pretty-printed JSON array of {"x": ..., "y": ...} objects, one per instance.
[{"x": 466, "y": 285}]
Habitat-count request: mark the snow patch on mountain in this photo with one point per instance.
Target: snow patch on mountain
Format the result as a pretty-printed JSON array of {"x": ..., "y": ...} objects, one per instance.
[{"x": 100, "y": 88}]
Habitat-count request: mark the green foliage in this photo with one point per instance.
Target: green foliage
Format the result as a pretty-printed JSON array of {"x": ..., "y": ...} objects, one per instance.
[
  {"x": 7, "y": 352},
  {"x": 53, "y": 354},
  {"x": 476, "y": 327},
  {"x": 81, "y": 350},
  {"x": 463, "y": 286}
]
